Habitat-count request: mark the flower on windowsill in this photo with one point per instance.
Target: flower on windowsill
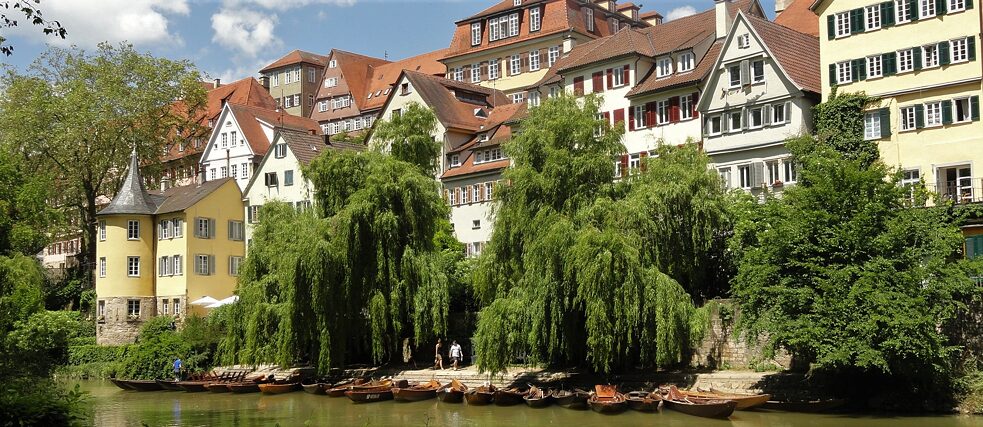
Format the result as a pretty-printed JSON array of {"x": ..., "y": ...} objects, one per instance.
[{"x": 777, "y": 183}]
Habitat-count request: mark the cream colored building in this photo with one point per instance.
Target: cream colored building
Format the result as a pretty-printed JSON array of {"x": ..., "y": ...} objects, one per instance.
[{"x": 293, "y": 81}]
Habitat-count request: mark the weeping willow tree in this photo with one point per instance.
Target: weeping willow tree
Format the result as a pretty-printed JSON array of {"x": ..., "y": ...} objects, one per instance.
[
  {"x": 356, "y": 275},
  {"x": 581, "y": 267}
]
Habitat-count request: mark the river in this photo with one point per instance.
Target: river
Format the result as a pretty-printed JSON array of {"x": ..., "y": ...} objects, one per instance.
[{"x": 115, "y": 407}]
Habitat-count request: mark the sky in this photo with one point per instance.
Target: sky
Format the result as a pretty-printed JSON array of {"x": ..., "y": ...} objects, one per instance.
[{"x": 233, "y": 39}]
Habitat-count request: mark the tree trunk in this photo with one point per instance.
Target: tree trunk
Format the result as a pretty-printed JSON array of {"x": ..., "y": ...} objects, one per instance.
[{"x": 89, "y": 224}]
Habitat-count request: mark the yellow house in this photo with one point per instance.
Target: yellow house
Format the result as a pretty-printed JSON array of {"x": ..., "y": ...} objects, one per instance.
[
  {"x": 921, "y": 58},
  {"x": 158, "y": 251}
]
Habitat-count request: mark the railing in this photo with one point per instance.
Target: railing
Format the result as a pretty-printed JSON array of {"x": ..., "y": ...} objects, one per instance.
[{"x": 961, "y": 194}]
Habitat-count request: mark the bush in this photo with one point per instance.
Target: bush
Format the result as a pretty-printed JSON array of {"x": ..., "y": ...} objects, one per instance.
[{"x": 41, "y": 402}]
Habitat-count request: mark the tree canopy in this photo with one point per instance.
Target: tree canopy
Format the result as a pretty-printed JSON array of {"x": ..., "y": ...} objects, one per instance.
[
  {"x": 581, "y": 267},
  {"x": 33, "y": 14}
]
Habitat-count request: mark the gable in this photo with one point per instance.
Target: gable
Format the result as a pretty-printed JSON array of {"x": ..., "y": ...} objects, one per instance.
[
  {"x": 220, "y": 126},
  {"x": 270, "y": 164}
]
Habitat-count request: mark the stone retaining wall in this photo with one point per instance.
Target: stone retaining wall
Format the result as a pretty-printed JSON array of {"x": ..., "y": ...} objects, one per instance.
[
  {"x": 724, "y": 348},
  {"x": 116, "y": 327}
]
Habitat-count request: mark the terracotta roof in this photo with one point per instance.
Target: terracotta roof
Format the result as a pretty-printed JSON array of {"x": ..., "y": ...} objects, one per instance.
[
  {"x": 132, "y": 197},
  {"x": 500, "y": 132},
  {"x": 177, "y": 199},
  {"x": 468, "y": 167},
  {"x": 797, "y": 53},
  {"x": 356, "y": 70},
  {"x": 297, "y": 57},
  {"x": 501, "y": 6},
  {"x": 625, "y": 42},
  {"x": 383, "y": 76},
  {"x": 248, "y": 119},
  {"x": 628, "y": 5},
  {"x": 440, "y": 95},
  {"x": 650, "y": 14},
  {"x": 799, "y": 17},
  {"x": 702, "y": 69}
]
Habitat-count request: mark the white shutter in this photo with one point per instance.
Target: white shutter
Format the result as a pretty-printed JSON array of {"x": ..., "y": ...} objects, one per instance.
[
  {"x": 788, "y": 111},
  {"x": 745, "y": 72},
  {"x": 211, "y": 228},
  {"x": 211, "y": 264},
  {"x": 766, "y": 112}
]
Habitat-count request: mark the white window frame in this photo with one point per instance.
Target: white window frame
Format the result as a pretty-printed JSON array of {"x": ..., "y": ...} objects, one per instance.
[
  {"x": 872, "y": 17},
  {"x": 906, "y": 60},
  {"x": 686, "y": 62},
  {"x": 533, "y": 98},
  {"x": 664, "y": 67},
  {"x": 719, "y": 121},
  {"x": 535, "y": 20},
  {"x": 235, "y": 263},
  {"x": 132, "y": 266},
  {"x": 102, "y": 230},
  {"x": 907, "y": 118},
  {"x": 844, "y": 72},
  {"x": 130, "y": 312},
  {"x": 750, "y": 118},
  {"x": 730, "y": 121},
  {"x": 589, "y": 17},
  {"x": 331, "y": 82},
  {"x": 663, "y": 114},
  {"x": 953, "y": 6},
  {"x": 958, "y": 50},
  {"x": 132, "y": 229},
  {"x": 790, "y": 170},
  {"x": 872, "y": 125},
  {"x": 930, "y": 56},
  {"x": 757, "y": 78},
  {"x": 534, "y": 60},
  {"x": 475, "y": 33},
  {"x": 967, "y": 110},
  {"x": 475, "y": 73},
  {"x": 552, "y": 55},
  {"x": 493, "y": 70},
  {"x": 177, "y": 265},
  {"x": 933, "y": 114},
  {"x": 515, "y": 65},
  {"x": 776, "y": 110},
  {"x": 842, "y": 24},
  {"x": 513, "y": 25},
  {"x": 901, "y": 9},
  {"x": 731, "y": 74},
  {"x": 875, "y": 67},
  {"x": 518, "y": 97},
  {"x": 744, "y": 176},
  {"x": 102, "y": 266},
  {"x": 926, "y": 9},
  {"x": 639, "y": 116},
  {"x": 489, "y": 189},
  {"x": 685, "y": 107}
]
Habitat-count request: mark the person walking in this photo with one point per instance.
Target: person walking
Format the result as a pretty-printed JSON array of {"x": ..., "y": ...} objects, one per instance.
[
  {"x": 178, "y": 367},
  {"x": 438, "y": 360},
  {"x": 456, "y": 355}
]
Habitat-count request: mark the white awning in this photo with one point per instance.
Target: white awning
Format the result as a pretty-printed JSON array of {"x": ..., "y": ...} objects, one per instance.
[
  {"x": 204, "y": 301},
  {"x": 224, "y": 301}
]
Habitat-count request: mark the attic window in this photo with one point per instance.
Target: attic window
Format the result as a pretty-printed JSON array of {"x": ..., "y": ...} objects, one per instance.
[
  {"x": 483, "y": 137},
  {"x": 379, "y": 92},
  {"x": 743, "y": 41},
  {"x": 386, "y": 92},
  {"x": 370, "y": 96},
  {"x": 480, "y": 112},
  {"x": 404, "y": 89},
  {"x": 228, "y": 123},
  {"x": 516, "y": 2}
]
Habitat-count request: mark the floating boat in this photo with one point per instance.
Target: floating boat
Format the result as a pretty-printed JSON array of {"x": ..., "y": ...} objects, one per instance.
[
  {"x": 273, "y": 388},
  {"x": 369, "y": 395},
  {"x": 315, "y": 388},
  {"x": 422, "y": 391},
  {"x": 339, "y": 389},
  {"x": 509, "y": 396},
  {"x": 244, "y": 387},
  {"x": 482, "y": 395},
  {"x": 744, "y": 401},
  {"x": 143, "y": 385},
  {"x": 169, "y": 385},
  {"x": 808, "y": 406},
  {"x": 121, "y": 384},
  {"x": 218, "y": 387},
  {"x": 576, "y": 399},
  {"x": 644, "y": 401},
  {"x": 452, "y": 393},
  {"x": 193, "y": 386},
  {"x": 700, "y": 407},
  {"x": 607, "y": 400},
  {"x": 537, "y": 398}
]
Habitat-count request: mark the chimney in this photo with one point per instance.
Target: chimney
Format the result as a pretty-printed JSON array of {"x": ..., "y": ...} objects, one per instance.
[
  {"x": 265, "y": 82},
  {"x": 781, "y": 5},
  {"x": 569, "y": 43},
  {"x": 724, "y": 19},
  {"x": 217, "y": 84}
]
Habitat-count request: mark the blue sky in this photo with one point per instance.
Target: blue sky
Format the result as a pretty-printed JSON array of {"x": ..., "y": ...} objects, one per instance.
[{"x": 231, "y": 39}]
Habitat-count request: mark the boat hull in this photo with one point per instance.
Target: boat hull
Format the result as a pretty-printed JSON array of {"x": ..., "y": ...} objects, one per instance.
[
  {"x": 121, "y": 384},
  {"x": 479, "y": 398},
  {"x": 816, "y": 406},
  {"x": 709, "y": 409},
  {"x": 507, "y": 398},
  {"x": 240, "y": 388},
  {"x": 608, "y": 408},
  {"x": 448, "y": 395},
  {"x": 370, "y": 396},
  {"x": 143, "y": 385},
  {"x": 279, "y": 388},
  {"x": 193, "y": 386},
  {"x": 541, "y": 402},
  {"x": 645, "y": 405},
  {"x": 218, "y": 387},
  {"x": 317, "y": 388},
  {"x": 744, "y": 402},
  {"x": 170, "y": 385},
  {"x": 572, "y": 400},
  {"x": 409, "y": 395}
]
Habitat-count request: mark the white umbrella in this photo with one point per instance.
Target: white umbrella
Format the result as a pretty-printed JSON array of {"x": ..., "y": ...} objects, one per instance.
[
  {"x": 224, "y": 301},
  {"x": 204, "y": 301}
]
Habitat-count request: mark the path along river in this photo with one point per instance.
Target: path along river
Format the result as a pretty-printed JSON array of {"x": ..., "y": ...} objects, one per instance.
[{"x": 115, "y": 407}]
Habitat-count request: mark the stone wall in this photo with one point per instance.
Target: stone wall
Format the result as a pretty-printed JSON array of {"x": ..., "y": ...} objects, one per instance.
[
  {"x": 724, "y": 348},
  {"x": 116, "y": 327}
]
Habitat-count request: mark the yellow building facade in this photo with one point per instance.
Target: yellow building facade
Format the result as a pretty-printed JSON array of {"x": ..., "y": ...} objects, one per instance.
[
  {"x": 157, "y": 252},
  {"x": 921, "y": 58}
]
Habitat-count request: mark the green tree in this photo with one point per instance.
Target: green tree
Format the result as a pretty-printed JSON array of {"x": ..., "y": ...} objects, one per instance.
[
  {"x": 409, "y": 137},
  {"x": 25, "y": 217},
  {"x": 840, "y": 124},
  {"x": 78, "y": 115},
  {"x": 581, "y": 267},
  {"x": 33, "y": 14},
  {"x": 840, "y": 273},
  {"x": 356, "y": 275}
]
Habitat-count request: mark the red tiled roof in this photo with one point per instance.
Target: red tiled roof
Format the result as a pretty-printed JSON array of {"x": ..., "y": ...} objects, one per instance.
[
  {"x": 356, "y": 70},
  {"x": 625, "y": 42},
  {"x": 497, "y": 126},
  {"x": 650, "y": 14},
  {"x": 702, "y": 69},
  {"x": 383, "y": 76},
  {"x": 799, "y": 17},
  {"x": 439, "y": 94},
  {"x": 297, "y": 57},
  {"x": 797, "y": 53},
  {"x": 468, "y": 167},
  {"x": 248, "y": 119},
  {"x": 501, "y": 6}
]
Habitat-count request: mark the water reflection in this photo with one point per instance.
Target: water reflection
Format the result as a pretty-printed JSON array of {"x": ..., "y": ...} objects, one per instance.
[{"x": 114, "y": 407}]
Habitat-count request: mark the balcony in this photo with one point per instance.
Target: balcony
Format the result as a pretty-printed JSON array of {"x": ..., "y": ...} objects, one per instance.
[{"x": 969, "y": 190}]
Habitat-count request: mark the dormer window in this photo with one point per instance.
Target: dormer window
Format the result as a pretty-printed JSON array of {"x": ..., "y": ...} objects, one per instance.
[
  {"x": 516, "y": 2},
  {"x": 455, "y": 161},
  {"x": 534, "y": 19},
  {"x": 589, "y": 16},
  {"x": 475, "y": 33},
  {"x": 614, "y": 25},
  {"x": 663, "y": 67},
  {"x": 404, "y": 89},
  {"x": 686, "y": 62},
  {"x": 743, "y": 41},
  {"x": 483, "y": 137}
]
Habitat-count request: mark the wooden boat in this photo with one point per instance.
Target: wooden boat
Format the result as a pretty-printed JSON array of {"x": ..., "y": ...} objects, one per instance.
[
  {"x": 744, "y": 401},
  {"x": 315, "y": 388},
  {"x": 339, "y": 389},
  {"x": 700, "y": 407},
  {"x": 576, "y": 399},
  {"x": 143, "y": 385},
  {"x": 193, "y": 386},
  {"x": 422, "y": 391},
  {"x": 452, "y": 392},
  {"x": 607, "y": 400},
  {"x": 481, "y": 395},
  {"x": 218, "y": 387},
  {"x": 808, "y": 406},
  {"x": 274, "y": 388},
  {"x": 244, "y": 387},
  {"x": 509, "y": 396},
  {"x": 537, "y": 398},
  {"x": 644, "y": 401},
  {"x": 370, "y": 394},
  {"x": 121, "y": 384},
  {"x": 169, "y": 385}
]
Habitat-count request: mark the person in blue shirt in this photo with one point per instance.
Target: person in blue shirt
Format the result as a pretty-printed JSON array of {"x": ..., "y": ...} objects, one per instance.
[{"x": 178, "y": 367}]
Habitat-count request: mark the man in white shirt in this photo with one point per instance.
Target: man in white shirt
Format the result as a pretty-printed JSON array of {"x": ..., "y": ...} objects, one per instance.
[{"x": 456, "y": 354}]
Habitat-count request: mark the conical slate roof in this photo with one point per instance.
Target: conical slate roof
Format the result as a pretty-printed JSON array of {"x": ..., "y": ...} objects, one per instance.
[{"x": 132, "y": 197}]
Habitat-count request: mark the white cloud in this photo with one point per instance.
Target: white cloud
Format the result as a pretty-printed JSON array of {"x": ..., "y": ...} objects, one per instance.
[
  {"x": 240, "y": 71},
  {"x": 680, "y": 12},
  {"x": 135, "y": 21},
  {"x": 247, "y": 31},
  {"x": 289, "y": 4}
]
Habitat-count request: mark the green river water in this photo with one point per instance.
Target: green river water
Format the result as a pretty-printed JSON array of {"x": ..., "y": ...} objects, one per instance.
[{"x": 115, "y": 407}]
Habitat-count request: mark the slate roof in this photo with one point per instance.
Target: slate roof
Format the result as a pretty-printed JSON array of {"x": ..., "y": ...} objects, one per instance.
[
  {"x": 132, "y": 197},
  {"x": 797, "y": 53},
  {"x": 297, "y": 57},
  {"x": 799, "y": 17}
]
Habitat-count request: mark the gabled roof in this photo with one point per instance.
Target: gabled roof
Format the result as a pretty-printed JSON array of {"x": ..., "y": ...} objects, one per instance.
[
  {"x": 501, "y": 6},
  {"x": 383, "y": 76},
  {"x": 356, "y": 69},
  {"x": 796, "y": 53},
  {"x": 297, "y": 57},
  {"x": 132, "y": 197},
  {"x": 498, "y": 130},
  {"x": 440, "y": 95},
  {"x": 799, "y": 17},
  {"x": 624, "y": 42},
  {"x": 177, "y": 199},
  {"x": 650, "y": 14},
  {"x": 306, "y": 146},
  {"x": 699, "y": 72},
  {"x": 248, "y": 119}
]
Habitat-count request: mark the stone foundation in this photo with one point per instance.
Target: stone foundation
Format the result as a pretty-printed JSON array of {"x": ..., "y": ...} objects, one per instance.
[
  {"x": 116, "y": 327},
  {"x": 724, "y": 348}
]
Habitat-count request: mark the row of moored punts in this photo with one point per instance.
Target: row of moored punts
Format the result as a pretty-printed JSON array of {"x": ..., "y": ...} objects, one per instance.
[{"x": 605, "y": 399}]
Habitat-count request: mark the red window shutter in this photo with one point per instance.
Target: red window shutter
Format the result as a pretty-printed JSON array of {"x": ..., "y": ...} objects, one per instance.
[
  {"x": 597, "y": 80},
  {"x": 524, "y": 61},
  {"x": 674, "y": 109},
  {"x": 650, "y": 111},
  {"x": 619, "y": 117},
  {"x": 642, "y": 156},
  {"x": 631, "y": 118},
  {"x": 607, "y": 117},
  {"x": 624, "y": 75},
  {"x": 610, "y": 78},
  {"x": 578, "y": 86},
  {"x": 624, "y": 165},
  {"x": 696, "y": 99}
]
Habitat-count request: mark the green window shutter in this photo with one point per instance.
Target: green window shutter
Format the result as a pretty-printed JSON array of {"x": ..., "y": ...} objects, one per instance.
[
  {"x": 856, "y": 21},
  {"x": 885, "y": 115},
  {"x": 940, "y": 7},
  {"x": 971, "y": 47},
  {"x": 890, "y": 63},
  {"x": 946, "y": 112},
  {"x": 832, "y": 75},
  {"x": 971, "y": 248},
  {"x": 919, "y": 116},
  {"x": 944, "y": 53},
  {"x": 887, "y": 14},
  {"x": 969, "y": 4},
  {"x": 974, "y": 107},
  {"x": 859, "y": 69},
  {"x": 913, "y": 10},
  {"x": 831, "y": 26},
  {"x": 917, "y": 57}
]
